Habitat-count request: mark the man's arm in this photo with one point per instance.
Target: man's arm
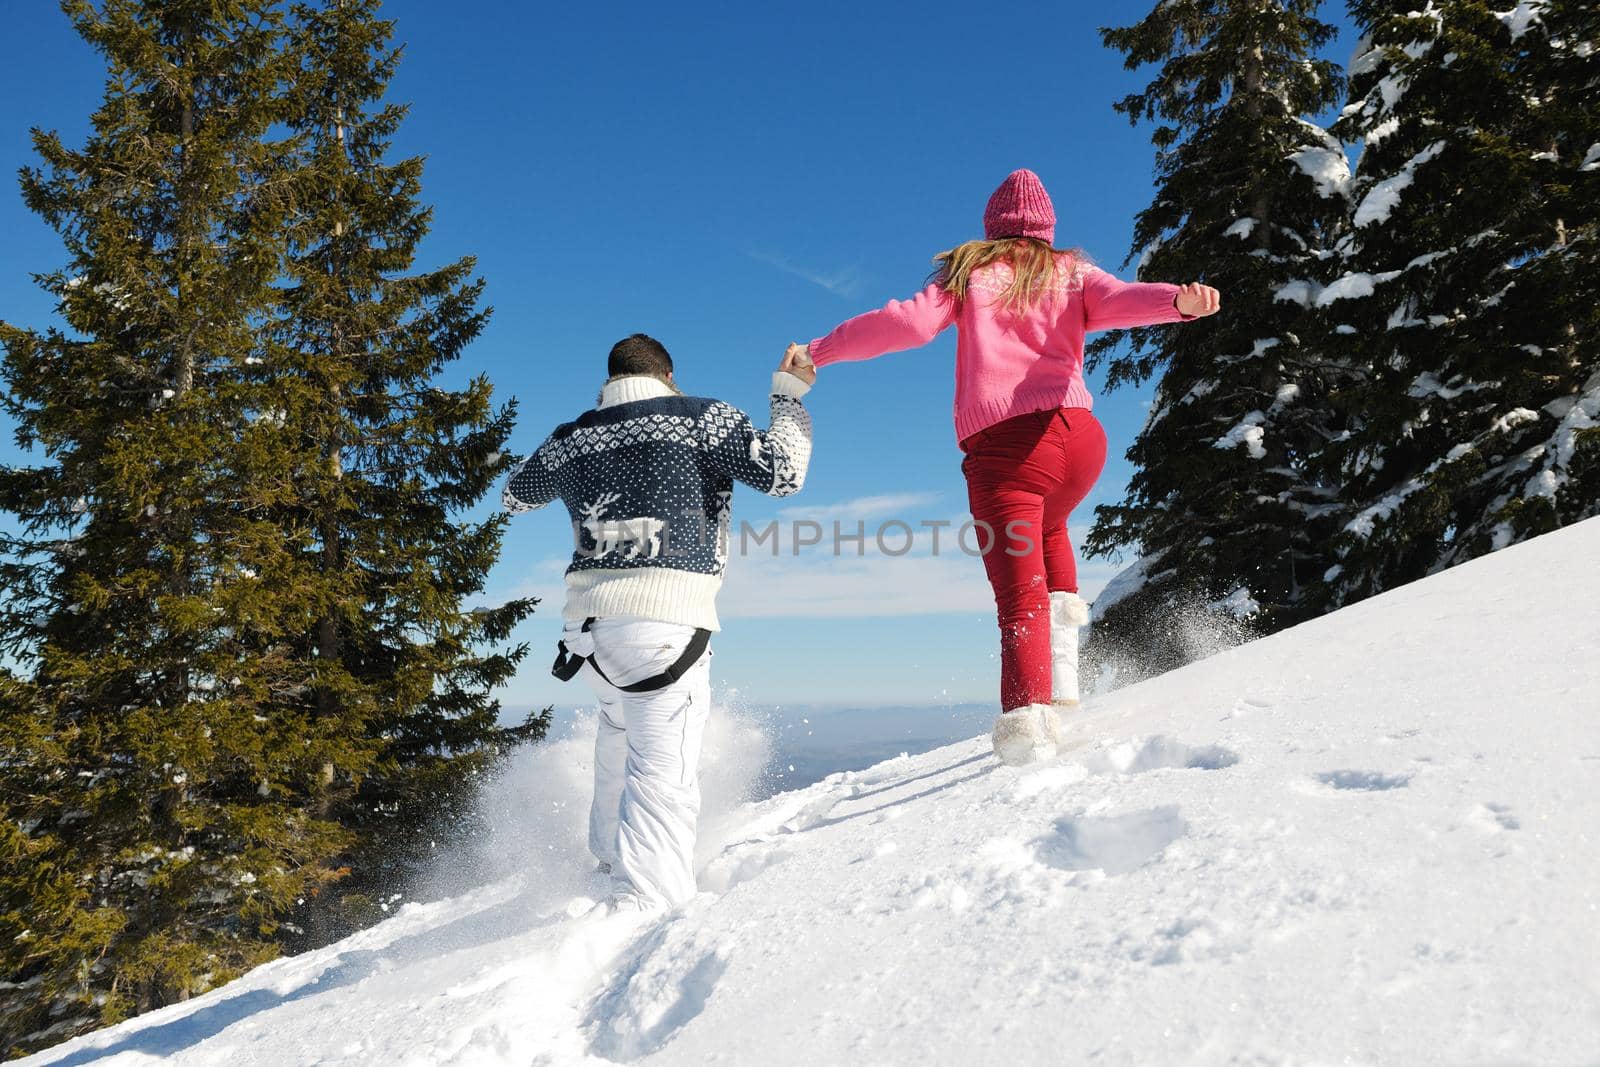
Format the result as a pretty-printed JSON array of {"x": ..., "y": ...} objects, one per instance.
[
  {"x": 530, "y": 486},
  {"x": 773, "y": 461}
]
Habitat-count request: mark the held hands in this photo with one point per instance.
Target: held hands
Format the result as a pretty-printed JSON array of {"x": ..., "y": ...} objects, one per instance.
[
  {"x": 1197, "y": 301},
  {"x": 797, "y": 361}
]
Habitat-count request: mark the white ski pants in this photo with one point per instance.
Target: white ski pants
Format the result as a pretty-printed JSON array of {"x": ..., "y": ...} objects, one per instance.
[{"x": 647, "y": 758}]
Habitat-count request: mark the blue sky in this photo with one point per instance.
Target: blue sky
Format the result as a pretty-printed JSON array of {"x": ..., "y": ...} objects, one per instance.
[{"x": 727, "y": 179}]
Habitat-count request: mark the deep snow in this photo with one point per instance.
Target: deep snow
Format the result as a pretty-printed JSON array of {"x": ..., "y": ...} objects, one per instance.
[{"x": 1366, "y": 840}]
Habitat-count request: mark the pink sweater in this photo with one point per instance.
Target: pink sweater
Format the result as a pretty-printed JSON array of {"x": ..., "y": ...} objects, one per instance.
[{"x": 1007, "y": 363}]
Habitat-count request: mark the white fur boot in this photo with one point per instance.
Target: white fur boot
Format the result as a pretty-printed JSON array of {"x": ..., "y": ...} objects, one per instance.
[
  {"x": 1068, "y": 612},
  {"x": 1025, "y": 735}
]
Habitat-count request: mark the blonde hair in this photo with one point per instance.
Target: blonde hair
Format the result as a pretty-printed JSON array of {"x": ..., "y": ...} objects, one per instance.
[{"x": 1032, "y": 261}]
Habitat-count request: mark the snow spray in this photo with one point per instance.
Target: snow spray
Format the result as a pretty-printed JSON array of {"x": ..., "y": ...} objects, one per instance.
[
  {"x": 534, "y": 813},
  {"x": 1187, "y": 630}
]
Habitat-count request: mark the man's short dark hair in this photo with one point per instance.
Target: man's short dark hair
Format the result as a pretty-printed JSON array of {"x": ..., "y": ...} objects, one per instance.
[{"x": 639, "y": 354}]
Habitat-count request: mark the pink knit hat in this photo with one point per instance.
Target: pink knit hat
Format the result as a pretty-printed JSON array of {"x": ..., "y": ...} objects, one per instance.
[{"x": 1020, "y": 208}]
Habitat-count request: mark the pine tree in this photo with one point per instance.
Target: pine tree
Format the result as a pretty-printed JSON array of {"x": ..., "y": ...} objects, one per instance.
[
  {"x": 388, "y": 460},
  {"x": 247, "y": 684},
  {"x": 144, "y": 860},
  {"x": 1472, "y": 253},
  {"x": 1563, "y": 480},
  {"x": 1226, "y": 506}
]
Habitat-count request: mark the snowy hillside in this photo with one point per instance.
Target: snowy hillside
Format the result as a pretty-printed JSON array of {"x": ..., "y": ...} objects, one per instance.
[{"x": 1368, "y": 840}]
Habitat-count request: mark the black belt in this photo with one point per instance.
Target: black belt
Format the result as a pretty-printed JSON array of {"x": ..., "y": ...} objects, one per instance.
[{"x": 567, "y": 665}]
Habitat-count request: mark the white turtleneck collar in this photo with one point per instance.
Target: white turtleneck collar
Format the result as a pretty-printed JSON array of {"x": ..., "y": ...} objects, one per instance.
[{"x": 633, "y": 387}]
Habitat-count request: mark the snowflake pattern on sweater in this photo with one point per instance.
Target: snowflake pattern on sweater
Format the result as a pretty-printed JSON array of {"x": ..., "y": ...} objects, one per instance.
[{"x": 648, "y": 482}]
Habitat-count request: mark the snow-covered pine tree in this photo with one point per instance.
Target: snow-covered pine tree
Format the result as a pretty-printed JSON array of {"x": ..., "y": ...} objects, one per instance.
[
  {"x": 1563, "y": 483},
  {"x": 399, "y": 668},
  {"x": 143, "y": 850},
  {"x": 1226, "y": 507},
  {"x": 1554, "y": 476},
  {"x": 1471, "y": 285}
]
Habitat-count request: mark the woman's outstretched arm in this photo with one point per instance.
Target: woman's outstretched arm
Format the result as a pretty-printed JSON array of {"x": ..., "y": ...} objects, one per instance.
[
  {"x": 898, "y": 325},
  {"x": 1112, "y": 304}
]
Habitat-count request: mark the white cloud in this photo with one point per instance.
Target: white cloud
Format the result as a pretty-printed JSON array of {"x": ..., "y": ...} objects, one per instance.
[
  {"x": 908, "y": 507},
  {"x": 544, "y": 579}
]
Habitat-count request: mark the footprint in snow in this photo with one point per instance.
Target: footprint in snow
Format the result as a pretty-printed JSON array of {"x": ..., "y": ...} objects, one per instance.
[
  {"x": 1114, "y": 844},
  {"x": 1363, "y": 781},
  {"x": 812, "y": 814},
  {"x": 1158, "y": 753},
  {"x": 1245, "y": 706},
  {"x": 740, "y": 863},
  {"x": 657, "y": 992},
  {"x": 1493, "y": 818}
]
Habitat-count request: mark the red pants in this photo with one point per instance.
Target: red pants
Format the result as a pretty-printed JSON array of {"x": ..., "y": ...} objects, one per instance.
[{"x": 1024, "y": 476}]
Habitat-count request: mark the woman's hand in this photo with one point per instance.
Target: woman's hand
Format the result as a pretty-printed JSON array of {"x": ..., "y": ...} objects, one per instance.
[
  {"x": 1196, "y": 301},
  {"x": 797, "y": 361}
]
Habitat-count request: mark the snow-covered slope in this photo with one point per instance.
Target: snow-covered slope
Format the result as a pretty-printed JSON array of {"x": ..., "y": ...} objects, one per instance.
[{"x": 1367, "y": 840}]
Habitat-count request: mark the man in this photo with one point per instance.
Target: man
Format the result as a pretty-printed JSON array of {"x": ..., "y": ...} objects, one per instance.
[{"x": 647, "y": 477}]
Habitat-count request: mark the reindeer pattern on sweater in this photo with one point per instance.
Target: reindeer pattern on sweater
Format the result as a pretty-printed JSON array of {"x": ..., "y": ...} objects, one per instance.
[{"x": 649, "y": 482}]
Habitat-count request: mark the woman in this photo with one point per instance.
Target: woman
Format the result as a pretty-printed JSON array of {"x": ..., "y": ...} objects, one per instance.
[{"x": 1022, "y": 411}]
